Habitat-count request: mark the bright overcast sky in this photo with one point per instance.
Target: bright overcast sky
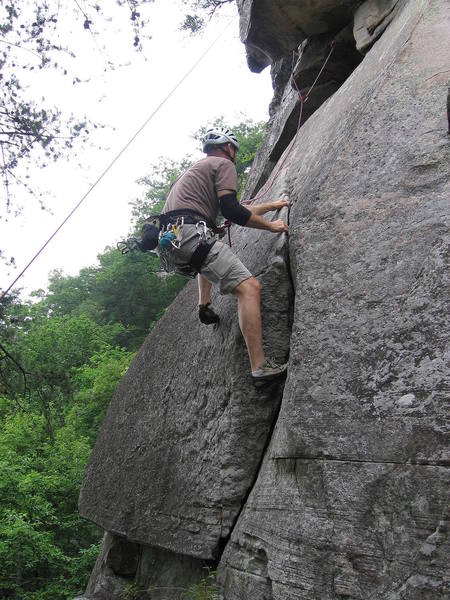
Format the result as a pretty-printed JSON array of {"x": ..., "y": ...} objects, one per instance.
[{"x": 123, "y": 99}]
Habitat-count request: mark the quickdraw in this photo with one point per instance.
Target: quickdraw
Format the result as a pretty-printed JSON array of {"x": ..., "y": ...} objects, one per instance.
[{"x": 168, "y": 237}]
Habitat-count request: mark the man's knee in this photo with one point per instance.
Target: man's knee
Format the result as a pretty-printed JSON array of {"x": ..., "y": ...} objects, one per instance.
[{"x": 250, "y": 286}]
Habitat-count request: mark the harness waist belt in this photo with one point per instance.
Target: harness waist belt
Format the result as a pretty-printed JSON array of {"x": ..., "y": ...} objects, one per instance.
[{"x": 190, "y": 217}]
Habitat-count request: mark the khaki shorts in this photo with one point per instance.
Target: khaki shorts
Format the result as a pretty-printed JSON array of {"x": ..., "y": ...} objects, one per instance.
[{"x": 221, "y": 265}]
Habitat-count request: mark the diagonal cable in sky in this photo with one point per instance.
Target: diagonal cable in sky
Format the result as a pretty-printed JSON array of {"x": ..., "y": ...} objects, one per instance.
[{"x": 116, "y": 158}]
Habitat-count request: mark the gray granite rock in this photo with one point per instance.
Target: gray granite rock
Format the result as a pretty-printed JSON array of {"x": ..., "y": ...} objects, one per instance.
[
  {"x": 352, "y": 498},
  {"x": 312, "y": 61},
  {"x": 184, "y": 434},
  {"x": 371, "y": 19},
  {"x": 280, "y": 73},
  {"x": 280, "y": 129},
  {"x": 168, "y": 576},
  {"x": 340, "y": 529},
  {"x": 127, "y": 571},
  {"x": 114, "y": 569},
  {"x": 271, "y": 30}
]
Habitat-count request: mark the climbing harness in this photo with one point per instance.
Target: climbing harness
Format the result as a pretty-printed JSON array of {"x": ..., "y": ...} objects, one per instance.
[{"x": 162, "y": 233}]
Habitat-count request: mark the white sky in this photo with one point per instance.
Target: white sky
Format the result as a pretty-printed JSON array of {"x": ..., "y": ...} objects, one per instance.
[{"x": 123, "y": 99}]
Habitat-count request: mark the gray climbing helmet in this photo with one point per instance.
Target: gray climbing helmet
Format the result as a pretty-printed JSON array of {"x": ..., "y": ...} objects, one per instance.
[{"x": 215, "y": 136}]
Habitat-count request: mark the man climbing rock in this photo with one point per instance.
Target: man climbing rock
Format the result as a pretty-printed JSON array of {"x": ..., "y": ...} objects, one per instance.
[{"x": 192, "y": 206}]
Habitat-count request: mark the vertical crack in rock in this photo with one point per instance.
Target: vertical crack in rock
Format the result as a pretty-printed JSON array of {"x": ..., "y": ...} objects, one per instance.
[
  {"x": 278, "y": 387},
  {"x": 273, "y": 275}
]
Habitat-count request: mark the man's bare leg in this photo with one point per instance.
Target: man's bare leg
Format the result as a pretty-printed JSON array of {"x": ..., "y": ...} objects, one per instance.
[
  {"x": 204, "y": 290},
  {"x": 249, "y": 311},
  {"x": 206, "y": 313}
]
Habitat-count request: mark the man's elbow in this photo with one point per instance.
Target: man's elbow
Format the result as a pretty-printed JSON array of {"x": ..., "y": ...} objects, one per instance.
[{"x": 233, "y": 211}]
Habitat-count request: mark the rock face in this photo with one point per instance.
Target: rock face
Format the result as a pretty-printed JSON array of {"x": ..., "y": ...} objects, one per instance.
[
  {"x": 351, "y": 501},
  {"x": 322, "y": 65},
  {"x": 184, "y": 435},
  {"x": 371, "y": 19},
  {"x": 334, "y": 486},
  {"x": 271, "y": 29}
]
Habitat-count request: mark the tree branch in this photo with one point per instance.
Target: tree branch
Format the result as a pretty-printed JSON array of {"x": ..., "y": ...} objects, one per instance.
[
  {"x": 6, "y": 180},
  {"x": 7, "y": 356}
]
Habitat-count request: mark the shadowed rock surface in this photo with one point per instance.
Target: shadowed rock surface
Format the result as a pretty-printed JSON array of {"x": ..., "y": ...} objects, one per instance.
[
  {"x": 322, "y": 65},
  {"x": 342, "y": 491},
  {"x": 271, "y": 29}
]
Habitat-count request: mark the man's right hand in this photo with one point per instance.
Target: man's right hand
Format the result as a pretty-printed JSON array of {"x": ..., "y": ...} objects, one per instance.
[{"x": 278, "y": 226}]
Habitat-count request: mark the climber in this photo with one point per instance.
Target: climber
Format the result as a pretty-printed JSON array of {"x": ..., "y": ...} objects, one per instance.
[{"x": 192, "y": 205}]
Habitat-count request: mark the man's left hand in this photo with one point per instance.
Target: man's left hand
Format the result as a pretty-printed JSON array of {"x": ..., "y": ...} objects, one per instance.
[{"x": 279, "y": 204}]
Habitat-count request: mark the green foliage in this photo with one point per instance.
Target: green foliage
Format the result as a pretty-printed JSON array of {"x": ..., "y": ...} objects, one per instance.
[
  {"x": 96, "y": 383},
  {"x": 158, "y": 185},
  {"x": 127, "y": 294},
  {"x": 205, "y": 589},
  {"x": 44, "y": 544},
  {"x": 62, "y": 355}
]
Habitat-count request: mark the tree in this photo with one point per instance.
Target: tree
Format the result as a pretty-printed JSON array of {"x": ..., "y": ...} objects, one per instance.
[
  {"x": 127, "y": 293},
  {"x": 158, "y": 183},
  {"x": 47, "y": 550},
  {"x": 30, "y": 130},
  {"x": 203, "y": 10}
]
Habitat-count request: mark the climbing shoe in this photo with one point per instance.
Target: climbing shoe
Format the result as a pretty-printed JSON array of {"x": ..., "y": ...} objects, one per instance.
[
  {"x": 206, "y": 314},
  {"x": 268, "y": 371}
]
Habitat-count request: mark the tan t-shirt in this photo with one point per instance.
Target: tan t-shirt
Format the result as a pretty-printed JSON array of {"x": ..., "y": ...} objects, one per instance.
[{"x": 197, "y": 188}]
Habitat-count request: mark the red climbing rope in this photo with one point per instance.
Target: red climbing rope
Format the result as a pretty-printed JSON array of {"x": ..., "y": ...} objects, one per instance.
[
  {"x": 302, "y": 102},
  {"x": 226, "y": 226}
]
